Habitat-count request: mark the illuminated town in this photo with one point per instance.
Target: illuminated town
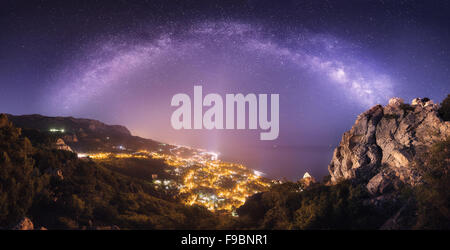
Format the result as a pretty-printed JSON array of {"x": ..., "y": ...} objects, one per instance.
[{"x": 201, "y": 178}]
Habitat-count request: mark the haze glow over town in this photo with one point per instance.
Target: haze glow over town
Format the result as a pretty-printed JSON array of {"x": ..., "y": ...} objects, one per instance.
[{"x": 326, "y": 68}]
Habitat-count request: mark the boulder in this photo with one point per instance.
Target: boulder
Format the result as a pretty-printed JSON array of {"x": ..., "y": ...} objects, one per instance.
[
  {"x": 24, "y": 224},
  {"x": 382, "y": 183},
  {"x": 396, "y": 101},
  {"x": 61, "y": 145}
]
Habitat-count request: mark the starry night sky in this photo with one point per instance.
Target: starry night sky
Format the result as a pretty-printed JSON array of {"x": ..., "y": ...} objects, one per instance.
[{"x": 122, "y": 61}]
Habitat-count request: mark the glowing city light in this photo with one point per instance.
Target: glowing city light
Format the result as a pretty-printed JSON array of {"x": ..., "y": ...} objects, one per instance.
[{"x": 206, "y": 181}]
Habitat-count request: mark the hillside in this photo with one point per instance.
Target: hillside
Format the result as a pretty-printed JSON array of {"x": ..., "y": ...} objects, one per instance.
[
  {"x": 84, "y": 135},
  {"x": 114, "y": 179},
  {"x": 54, "y": 189},
  {"x": 390, "y": 171}
]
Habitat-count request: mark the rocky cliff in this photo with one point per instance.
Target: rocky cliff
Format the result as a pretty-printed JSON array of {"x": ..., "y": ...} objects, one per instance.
[{"x": 381, "y": 147}]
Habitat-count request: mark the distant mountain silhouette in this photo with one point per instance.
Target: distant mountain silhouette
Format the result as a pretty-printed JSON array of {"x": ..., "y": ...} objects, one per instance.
[{"x": 84, "y": 135}]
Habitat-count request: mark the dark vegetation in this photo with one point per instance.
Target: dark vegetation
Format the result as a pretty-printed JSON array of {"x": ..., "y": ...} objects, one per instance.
[
  {"x": 347, "y": 205},
  {"x": 433, "y": 197},
  {"x": 142, "y": 171},
  {"x": 444, "y": 110},
  {"x": 84, "y": 194},
  {"x": 59, "y": 191},
  {"x": 320, "y": 206}
]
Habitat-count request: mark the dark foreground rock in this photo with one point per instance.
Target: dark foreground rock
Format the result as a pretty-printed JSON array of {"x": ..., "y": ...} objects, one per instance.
[{"x": 24, "y": 224}]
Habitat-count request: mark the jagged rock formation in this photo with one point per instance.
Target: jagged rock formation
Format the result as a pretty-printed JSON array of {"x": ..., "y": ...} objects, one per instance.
[{"x": 380, "y": 148}]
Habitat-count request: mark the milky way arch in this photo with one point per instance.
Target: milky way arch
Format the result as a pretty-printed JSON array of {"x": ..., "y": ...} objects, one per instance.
[{"x": 110, "y": 63}]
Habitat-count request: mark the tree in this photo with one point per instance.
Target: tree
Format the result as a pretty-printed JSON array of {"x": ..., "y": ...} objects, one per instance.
[
  {"x": 444, "y": 110},
  {"x": 433, "y": 198},
  {"x": 17, "y": 185}
]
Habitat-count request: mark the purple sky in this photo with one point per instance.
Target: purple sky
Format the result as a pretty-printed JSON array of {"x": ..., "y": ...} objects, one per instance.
[{"x": 122, "y": 65}]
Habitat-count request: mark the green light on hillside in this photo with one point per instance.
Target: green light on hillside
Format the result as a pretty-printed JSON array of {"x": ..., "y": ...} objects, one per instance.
[{"x": 55, "y": 130}]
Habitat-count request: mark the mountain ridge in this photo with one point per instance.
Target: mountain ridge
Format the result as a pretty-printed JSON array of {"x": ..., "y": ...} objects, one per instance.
[
  {"x": 83, "y": 134},
  {"x": 390, "y": 171},
  {"x": 92, "y": 124}
]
